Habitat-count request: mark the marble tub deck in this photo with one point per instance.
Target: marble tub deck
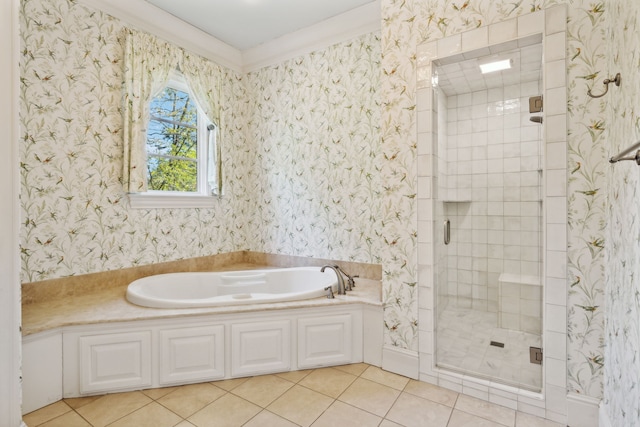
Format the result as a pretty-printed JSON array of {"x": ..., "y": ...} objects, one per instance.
[{"x": 110, "y": 305}]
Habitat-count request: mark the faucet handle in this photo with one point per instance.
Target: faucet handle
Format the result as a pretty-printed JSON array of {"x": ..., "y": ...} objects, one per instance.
[
  {"x": 329, "y": 290},
  {"x": 350, "y": 282}
]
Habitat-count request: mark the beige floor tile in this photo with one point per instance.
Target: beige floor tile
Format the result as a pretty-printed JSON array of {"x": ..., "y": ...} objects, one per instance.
[
  {"x": 486, "y": 410},
  {"x": 152, "y": 415},
  {"x": 229, "y": 385},
  {"x": 300, "y": 405},
  {"x": 112, "y": 407},
  {"x": 329, "y": 381},
  {"x": 354, "y": 369},
  {"x": 269, "y": 419},
  {"x": 414, "y": 411},
  {"x": 387, "y": 423},
  {"x": 70, "y": 419},
  {"x": 462, "y": 419},
  {"x": 229, "y": 410},
  {"x": 189, "y": 399},
  {"x": 431, "y": 392},
  {"x": 157, "y": 393},
  {"x": 343, "y": 415},
  {"x": 294, "y": 376},
  {"x": 185, "y": 423},
  {"x": 263, "y": 390},
  {"x": 47, "y": 413},
  {"x": 389, "y": 379},
  {"x": 370, "y": 396},
  {"x": 526, "y": 420},
  {"x": 78, "y": 402}
]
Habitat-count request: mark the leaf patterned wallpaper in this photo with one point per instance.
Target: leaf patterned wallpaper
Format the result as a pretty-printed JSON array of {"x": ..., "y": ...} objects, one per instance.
[
  {"x": 622, "y": 352},
  {"x": 321, "y": 155},
  {"x": 75, "y": 216},
  {"x": 315, "y": 121}
]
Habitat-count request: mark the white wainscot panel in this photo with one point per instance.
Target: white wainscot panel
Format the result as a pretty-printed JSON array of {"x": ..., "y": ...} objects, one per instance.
[
  {"x": 324, "y": 341},
  {"x": 115, "y": 361},
  {"x": 260, "y": 348},
  {"x": 191, "y": 354}
]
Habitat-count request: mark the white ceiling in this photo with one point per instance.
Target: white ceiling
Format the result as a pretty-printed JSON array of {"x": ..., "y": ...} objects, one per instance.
[
  {"x": 245, "y": 24},
  {"x": 461, "y": 74}
]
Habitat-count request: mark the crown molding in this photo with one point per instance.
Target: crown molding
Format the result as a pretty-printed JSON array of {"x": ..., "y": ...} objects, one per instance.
[
  {"x": 144, "y": 16},
  {"x": 354, "y": 23}
]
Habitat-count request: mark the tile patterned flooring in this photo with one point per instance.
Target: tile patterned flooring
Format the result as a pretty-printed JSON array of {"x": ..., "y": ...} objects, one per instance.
[
  {"x": 351, "y": 395},
  {"x": 464, "y": 337}
]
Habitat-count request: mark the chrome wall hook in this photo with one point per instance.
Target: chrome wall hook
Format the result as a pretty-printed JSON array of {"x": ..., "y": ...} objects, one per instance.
[{"x": 617, "y": 79}]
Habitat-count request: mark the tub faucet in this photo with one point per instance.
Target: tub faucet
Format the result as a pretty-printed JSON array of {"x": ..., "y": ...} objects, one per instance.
[
  {"x": 351, "y": 283},
  {"x": 341, "y": 287}
]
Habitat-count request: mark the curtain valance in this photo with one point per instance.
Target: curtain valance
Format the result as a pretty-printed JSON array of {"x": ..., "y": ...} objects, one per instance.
[{"x": 148, "y": 63}]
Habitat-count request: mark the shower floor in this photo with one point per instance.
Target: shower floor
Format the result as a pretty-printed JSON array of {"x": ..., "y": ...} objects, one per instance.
[{"x": 464, "y": 339}]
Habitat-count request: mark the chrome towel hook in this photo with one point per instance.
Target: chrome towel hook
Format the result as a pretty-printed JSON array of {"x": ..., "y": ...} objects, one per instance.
[{"x": 617, "y": 79}]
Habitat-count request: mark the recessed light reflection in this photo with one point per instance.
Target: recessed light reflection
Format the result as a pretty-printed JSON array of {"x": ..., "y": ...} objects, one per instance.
[{"x": 491, "y": 67}]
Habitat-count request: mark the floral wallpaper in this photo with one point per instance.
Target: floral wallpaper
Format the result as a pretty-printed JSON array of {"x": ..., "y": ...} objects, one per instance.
[
  {"x": 622, "y": 305},
  {"x": 315, "y": 121},
  {"x": 76, "y": 217},
  {"x": 406, "y": 23}
]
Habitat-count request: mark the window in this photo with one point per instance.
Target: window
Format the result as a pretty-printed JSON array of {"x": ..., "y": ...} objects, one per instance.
[{"x": 177, "y": 147}]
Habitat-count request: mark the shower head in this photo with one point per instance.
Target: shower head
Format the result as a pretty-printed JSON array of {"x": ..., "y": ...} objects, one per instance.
[{"x": 536, "y": 119}]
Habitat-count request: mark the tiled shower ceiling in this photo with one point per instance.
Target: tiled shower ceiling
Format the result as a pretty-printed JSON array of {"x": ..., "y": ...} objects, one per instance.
[{"x": 461, "y": 73}]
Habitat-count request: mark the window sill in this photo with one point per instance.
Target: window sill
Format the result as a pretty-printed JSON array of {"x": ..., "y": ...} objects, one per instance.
[{"x": 170, "y": 201}]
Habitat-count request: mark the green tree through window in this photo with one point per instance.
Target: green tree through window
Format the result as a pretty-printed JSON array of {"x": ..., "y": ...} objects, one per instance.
[{"x": 172, "y": 142}]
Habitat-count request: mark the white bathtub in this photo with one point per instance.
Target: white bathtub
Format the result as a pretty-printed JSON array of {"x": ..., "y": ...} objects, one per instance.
[{"x": 211, "y": 289}]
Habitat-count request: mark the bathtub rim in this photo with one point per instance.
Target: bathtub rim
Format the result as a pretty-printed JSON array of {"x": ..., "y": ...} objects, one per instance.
[{"x": 135, "y": 291}]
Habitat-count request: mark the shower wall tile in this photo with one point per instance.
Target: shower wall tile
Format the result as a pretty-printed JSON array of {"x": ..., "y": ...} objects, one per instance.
[
  {"x": 530, "y": 24},
  {"x": 588, "y": 29},
  {"x": 503, "y": 31}
]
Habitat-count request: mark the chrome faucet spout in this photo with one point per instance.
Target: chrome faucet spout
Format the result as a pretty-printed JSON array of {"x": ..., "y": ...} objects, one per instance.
[
  {"x": 341, "y": 287},
  {"x": 351, "y": 283}
]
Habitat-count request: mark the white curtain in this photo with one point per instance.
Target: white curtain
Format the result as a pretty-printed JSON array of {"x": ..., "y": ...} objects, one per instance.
[
  {"x": 205, "y": 82},
  {"x": 148, "y": 64}
]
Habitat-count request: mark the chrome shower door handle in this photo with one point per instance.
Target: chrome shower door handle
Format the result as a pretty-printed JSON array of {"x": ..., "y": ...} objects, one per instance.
[{"x": 447, "y": 231}]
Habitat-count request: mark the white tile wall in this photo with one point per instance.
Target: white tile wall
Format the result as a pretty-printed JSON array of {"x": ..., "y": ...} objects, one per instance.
[
  {"x": 549, "y": 27},
  {"x": 509, "y": 158}
]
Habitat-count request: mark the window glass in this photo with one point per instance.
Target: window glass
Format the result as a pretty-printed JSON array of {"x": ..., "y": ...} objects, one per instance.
[{"x": 172, "y": 141}]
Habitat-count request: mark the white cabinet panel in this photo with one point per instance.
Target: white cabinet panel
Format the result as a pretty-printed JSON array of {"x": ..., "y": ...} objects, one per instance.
[
  {"x": 259, "y": 348},
  {"x": 115, "y": 361},
  {"x": 41, "y": 371},
  {"x": 325, "y": 340},
  {"x": 191, "y": 354}
]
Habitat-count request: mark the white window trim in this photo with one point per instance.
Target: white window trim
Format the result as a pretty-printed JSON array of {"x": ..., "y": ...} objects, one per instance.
[
  {"x": 203, "y": 198},
  {"x": 170, "y": 200}
]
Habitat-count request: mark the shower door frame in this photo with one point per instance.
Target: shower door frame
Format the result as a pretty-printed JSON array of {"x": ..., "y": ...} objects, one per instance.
[{"x": 551, "y": 402}]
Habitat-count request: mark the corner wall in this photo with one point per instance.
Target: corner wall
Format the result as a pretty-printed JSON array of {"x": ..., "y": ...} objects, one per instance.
[{"x": 622, "y": 304}]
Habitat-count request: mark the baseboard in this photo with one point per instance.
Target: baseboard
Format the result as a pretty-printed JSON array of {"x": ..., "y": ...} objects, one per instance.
[
  {"x": 604, "y": 416},
  {"x": 583, "y": 411},
  {"x": 401, "y": 361}
]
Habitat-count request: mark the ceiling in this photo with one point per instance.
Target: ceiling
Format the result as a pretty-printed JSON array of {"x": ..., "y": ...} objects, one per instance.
[
  {"x": 245, "y": 24},
  {"x": 459, "y": 75}
]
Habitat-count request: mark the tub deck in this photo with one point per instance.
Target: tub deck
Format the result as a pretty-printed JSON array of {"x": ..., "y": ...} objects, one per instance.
[{"x": 110, "y": 305}]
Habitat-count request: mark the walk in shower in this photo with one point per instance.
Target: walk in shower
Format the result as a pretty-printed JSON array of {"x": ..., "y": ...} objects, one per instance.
[{"x": 488, "y": 233}]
